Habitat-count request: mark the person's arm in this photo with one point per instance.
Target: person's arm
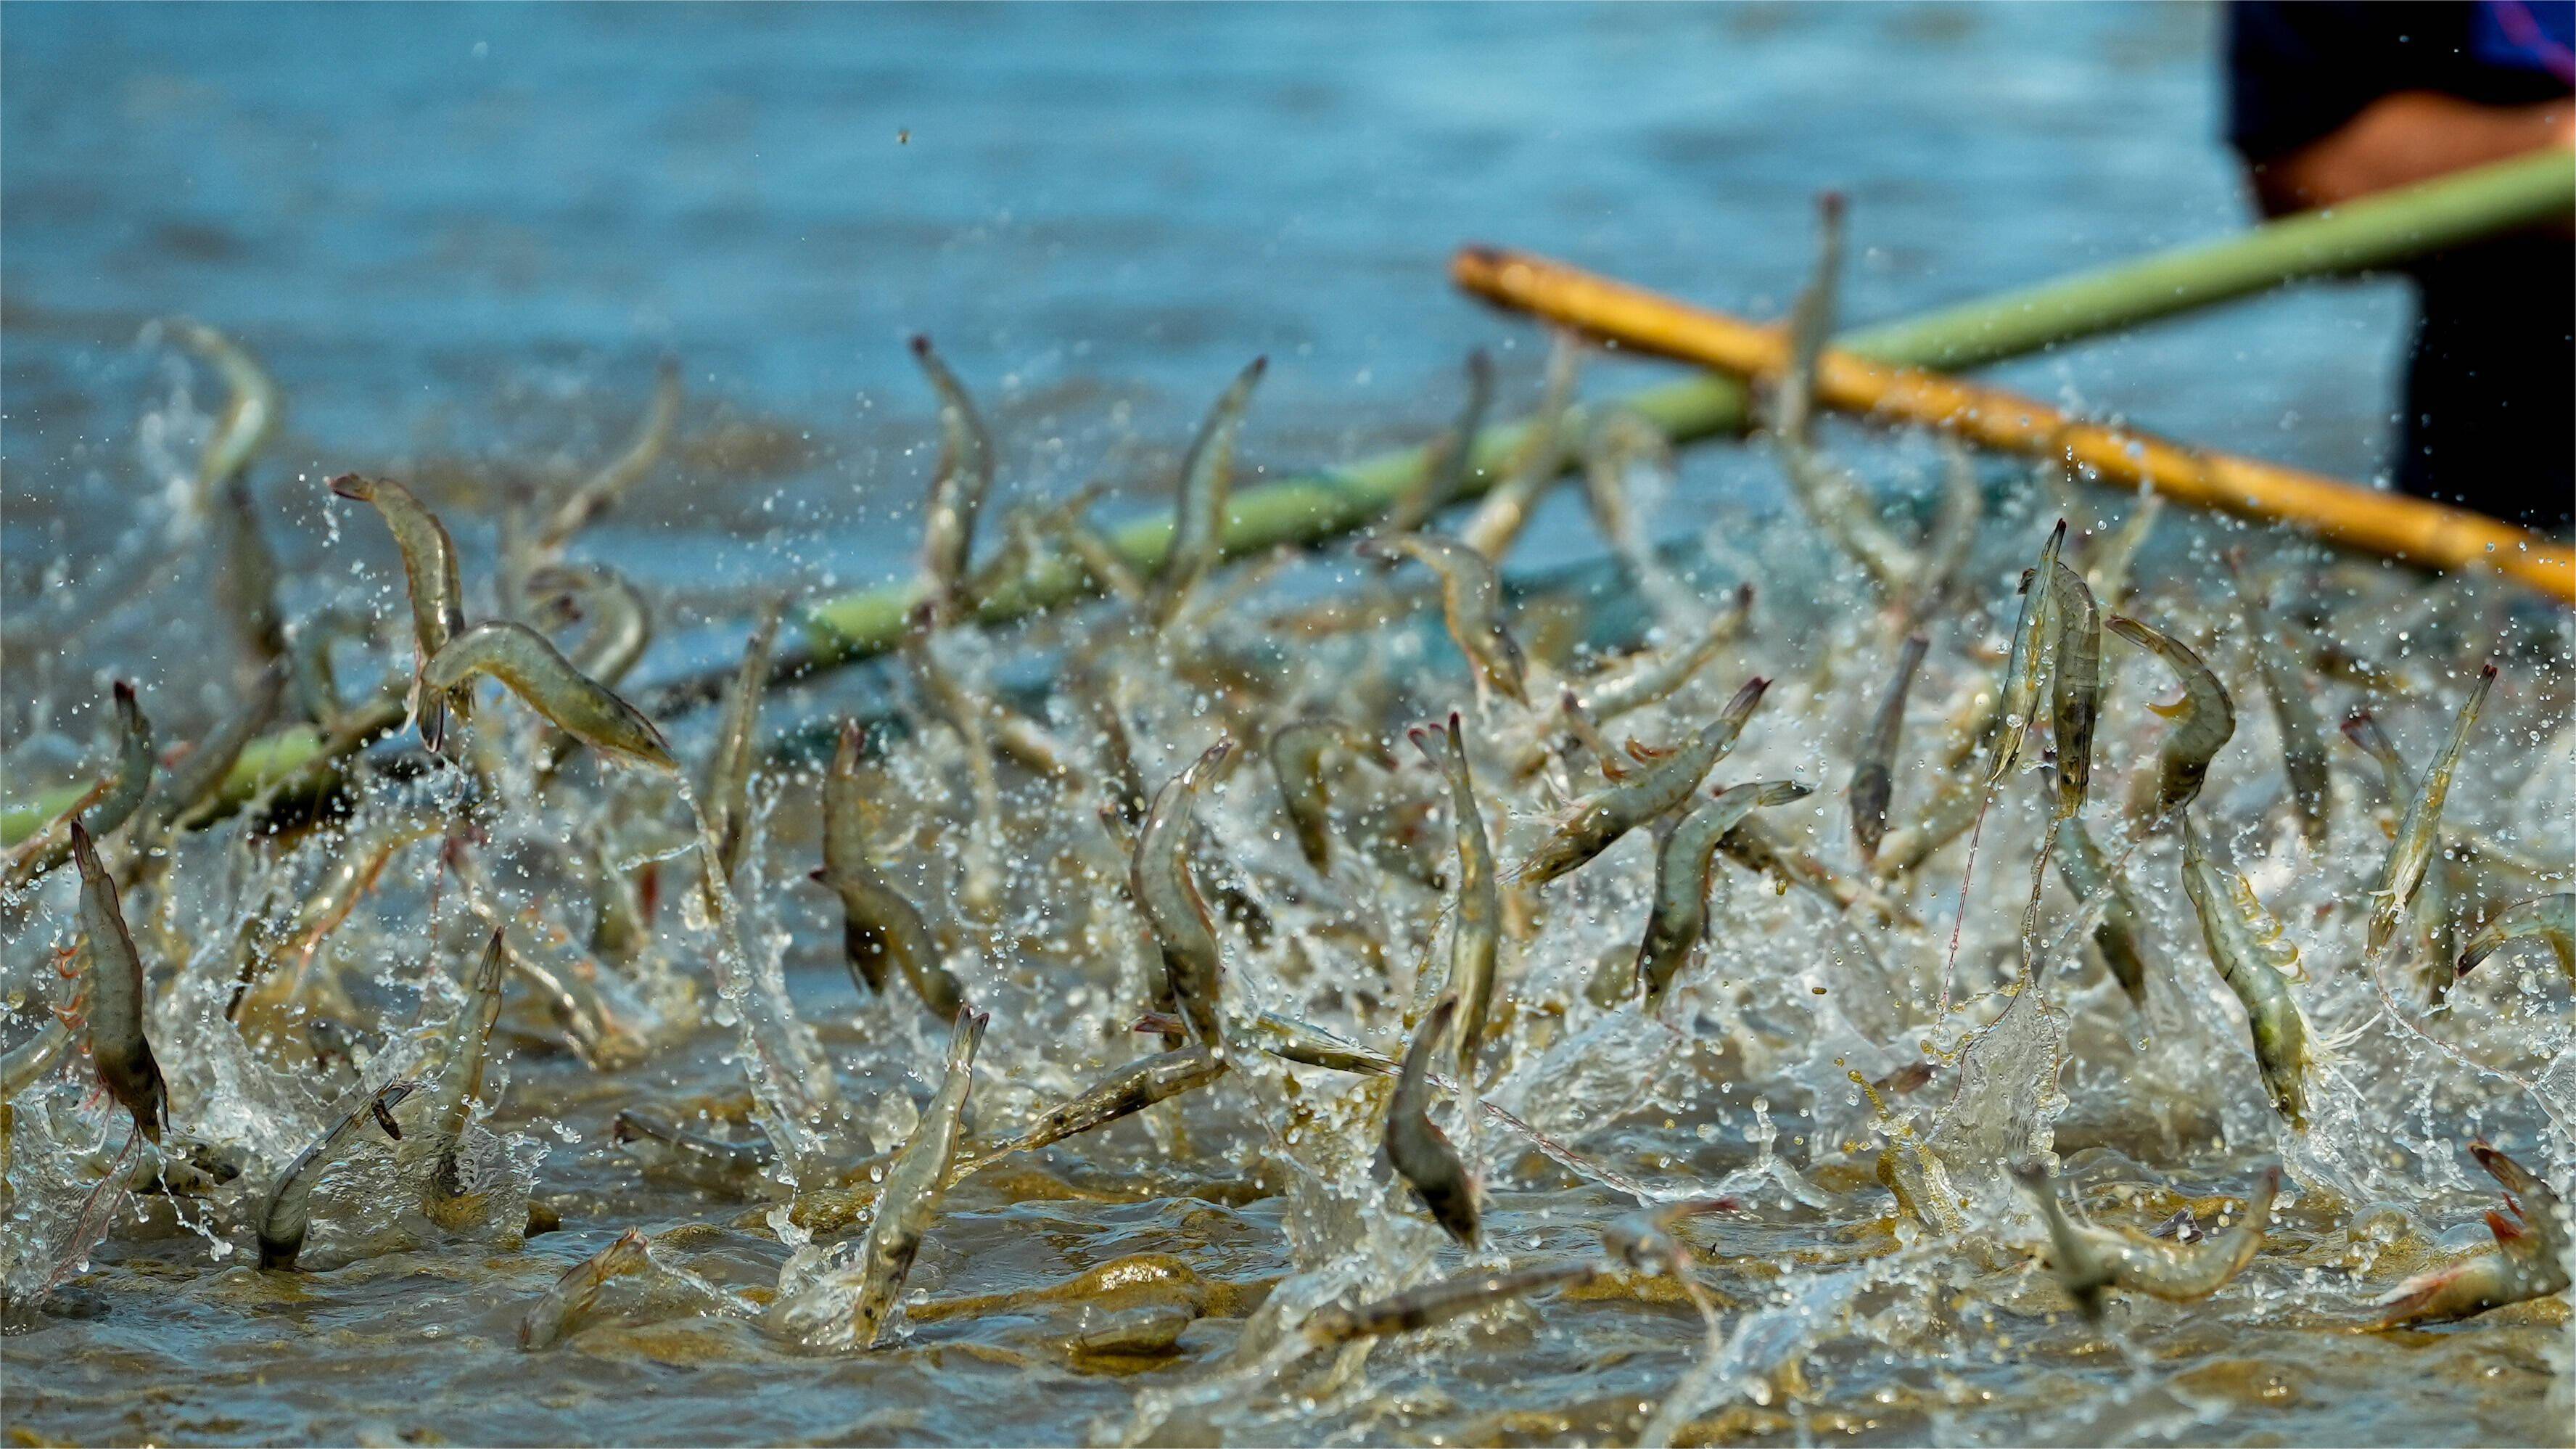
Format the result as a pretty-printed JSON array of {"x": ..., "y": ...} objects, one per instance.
[{"x": 2404, "y": 138}]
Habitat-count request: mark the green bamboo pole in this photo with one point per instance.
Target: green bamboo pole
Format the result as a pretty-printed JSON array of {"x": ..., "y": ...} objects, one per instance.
[
  {"x": 2375, "y": 232},
  {"x": 1311, "y": 507},
  {"x": 2370, "y": 233}
]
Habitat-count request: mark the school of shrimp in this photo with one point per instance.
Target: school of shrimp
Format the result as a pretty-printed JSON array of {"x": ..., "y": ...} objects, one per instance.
[{"x": 2023, "y": 968}]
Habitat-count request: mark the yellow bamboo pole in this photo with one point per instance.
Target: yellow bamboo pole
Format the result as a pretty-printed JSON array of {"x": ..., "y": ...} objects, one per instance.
[
  {"x": 1310, "y": 507},
  {"x": 2395, "y": 525}
]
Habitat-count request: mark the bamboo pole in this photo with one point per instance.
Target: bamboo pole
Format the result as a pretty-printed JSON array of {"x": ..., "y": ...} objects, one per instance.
[
  {"x": 2374, "y": 232},
  {"x": 1310, "y": 507},
  {"x": 2391, "y": 524}
]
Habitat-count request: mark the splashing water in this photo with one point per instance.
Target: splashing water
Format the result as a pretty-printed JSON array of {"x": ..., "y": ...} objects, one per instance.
[{"x": 1875, "y": 1274}]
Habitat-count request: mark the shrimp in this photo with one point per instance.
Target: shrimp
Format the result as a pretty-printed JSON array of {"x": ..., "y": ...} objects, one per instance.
[
  {"x": 1658, "y": 677},
  {"x": 729, "y": 763},
  {"x": 1068, "y": 524},
  {"x": 2120, "y": 930},
  {"x": 880, "y": 923},
  {"x": 2108, "y": 575},
  {"x": 909, "y": 1200},
  {"x": 1620, "y": 444},
  {"x": 1919, "y": 1180},
  {"x": 1602, "y": 817},
  {"x": 1683, "y": 876},
  {"x": 1438, "y": 1302},
  {"x": 621, "y": 627},
  {"x": 1160, "y": 879},
  {"x": 1536, "y": 463},
  {"x": 1952, "y": 813},
  {"x": 2246, "y": 946},
  {"x": 573, "y": 1294},
  {"x": 252, "y": 405},
  {"x": 22, "y": 1064},
  {"x": 1653, "y": 680},
  {"x": 2362, "y": 728},
  {"x": 1128, "y": 1090},
  {"x": 1415, "y": 1144},
  {"x": 1648, "y": 1240},
  {"x": 2531, "y": 1258},
  {"x": 590, "y": 1030},
  {"x": 598, "y": 1021},
  {"x": 1207, "y": 475},
  {"x": 2088, "y": 1259},
  {"x": 957, "y": 489},
  {"x": 1148, "y": 1330},
  {"x": 1831, "y": 499},
  {"x": 2303, "y": 735},
  {"x": 449, "y": 1199},
  {"x": 1477, "y": 932},
  {"x": 2549, "y": 919},
  {"x": 621, "y": 898},
  {"x": 1028, "y": 551},
  {"x": 2026, "y": 668},
  {"x": 437, "y": 589},
  {"x": 1450, "y": 460},
  {"x": 191, "y": 788},
  {"x": 287, "y": 1215},
  {"x": 317, "y": 680},
  {"x": 583, "y": 504},
  {"x": 352, "y": 874},
  {"x": 117, "y": 1044},
  {"x": 247, "y": 581},
  {"x": 1128, "y": 793},
  {"x": 2434, "y": 926},
  {"x": 1309, "y": 1045},
  {"x": 2419, "y": 834},
  {"x": 1751, "y": 845},
  {"x": 1296, "y": 752},
  {"x": 1471, "y": 600},
  {"x": 1953, "y": 538},
  {"x": 1841, "y": 511},
  {"x": 1292, "y": 1040},
  {"x": 105, "y": 806},
  {"x": 1811, "y": 323},
  {"x": 2204, "y": 720},
  {"x": 1007, "y": 573},
  {"x": 537, "y": 672},
  {"x": 970, "y": 716},
  {"x": 1587, "y": 733},
  {"x": 1873, "y": 780},
  {"x": 2075, "y": 685},
  {"x": 722, "y": 1159}
]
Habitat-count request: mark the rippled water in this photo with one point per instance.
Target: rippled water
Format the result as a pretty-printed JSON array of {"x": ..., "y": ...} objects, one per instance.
[{"x": 460, "y": 239}]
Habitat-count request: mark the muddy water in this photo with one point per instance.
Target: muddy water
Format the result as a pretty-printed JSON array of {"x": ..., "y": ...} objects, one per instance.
[{"x": 1100, "y": 226}]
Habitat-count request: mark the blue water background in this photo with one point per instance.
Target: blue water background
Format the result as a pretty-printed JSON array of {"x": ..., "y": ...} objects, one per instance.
[{"x": 461, "y": 235}]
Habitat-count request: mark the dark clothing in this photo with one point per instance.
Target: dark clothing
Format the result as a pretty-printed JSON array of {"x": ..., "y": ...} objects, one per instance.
[{"x": 2490, "y": 416}]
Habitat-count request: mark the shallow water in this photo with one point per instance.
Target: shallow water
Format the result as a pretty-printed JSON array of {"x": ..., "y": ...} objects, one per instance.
[{"x": 1100, "y": 215}]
